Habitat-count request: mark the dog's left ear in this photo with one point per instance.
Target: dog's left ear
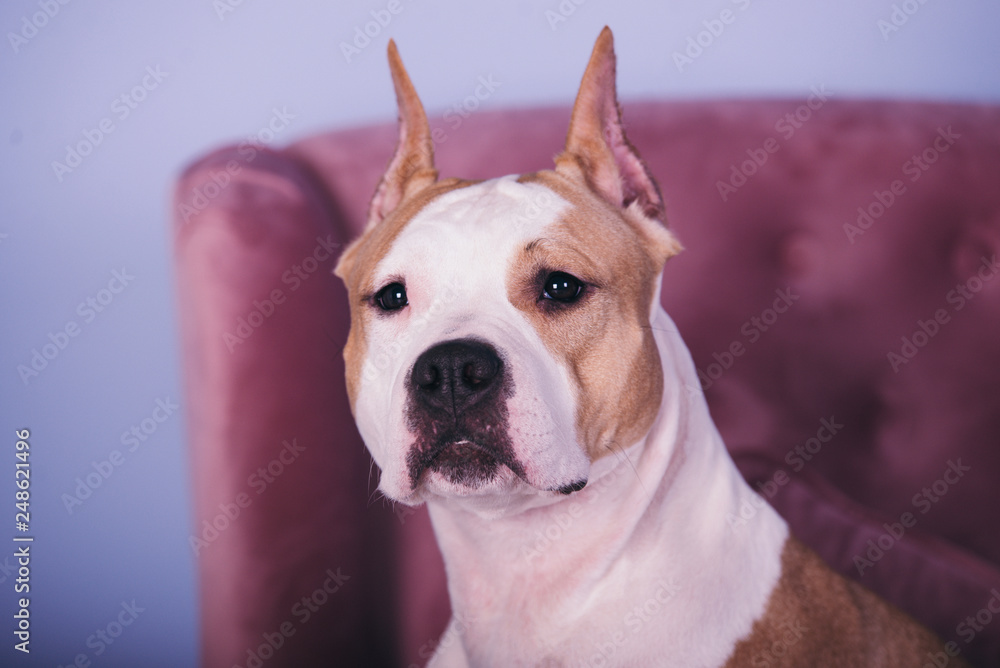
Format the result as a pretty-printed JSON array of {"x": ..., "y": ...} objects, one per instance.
[{"x": 596, "y": 146}]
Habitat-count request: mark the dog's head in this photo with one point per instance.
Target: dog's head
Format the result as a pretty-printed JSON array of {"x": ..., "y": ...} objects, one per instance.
[{"x": 500, "y": 338}]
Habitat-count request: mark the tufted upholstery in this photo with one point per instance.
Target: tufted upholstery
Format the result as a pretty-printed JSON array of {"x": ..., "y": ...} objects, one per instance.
[{"x": 851, "y": 365}]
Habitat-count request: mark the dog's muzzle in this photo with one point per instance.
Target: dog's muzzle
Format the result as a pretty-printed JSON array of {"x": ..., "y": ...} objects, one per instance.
[{"x": 457, "y": 411}]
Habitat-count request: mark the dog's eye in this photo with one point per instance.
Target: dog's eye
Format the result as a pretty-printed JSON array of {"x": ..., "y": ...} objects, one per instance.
[
  {"x": 562, "y": 287},
  {"x": 392, "y": 297}
]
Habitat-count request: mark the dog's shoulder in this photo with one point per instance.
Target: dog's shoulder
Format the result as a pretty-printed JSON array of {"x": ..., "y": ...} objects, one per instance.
[{"x": 817, "y": 617}]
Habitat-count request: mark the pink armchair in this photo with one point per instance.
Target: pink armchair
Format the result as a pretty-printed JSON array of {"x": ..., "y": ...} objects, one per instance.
[{"x": 839, "y": 293}]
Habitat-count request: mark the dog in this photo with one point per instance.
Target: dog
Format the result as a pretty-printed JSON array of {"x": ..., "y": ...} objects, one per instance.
[{"x": 510, "y": 365}]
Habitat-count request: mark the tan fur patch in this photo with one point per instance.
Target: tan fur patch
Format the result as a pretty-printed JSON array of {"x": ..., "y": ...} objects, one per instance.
[
  {"x": 816, "y": 617},
  {"x": 357, "y": 264},
  {"x": 605, "y": 340}
]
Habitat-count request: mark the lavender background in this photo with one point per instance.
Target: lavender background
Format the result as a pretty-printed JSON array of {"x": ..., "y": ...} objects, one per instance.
[{"x": 218, "y": 71}]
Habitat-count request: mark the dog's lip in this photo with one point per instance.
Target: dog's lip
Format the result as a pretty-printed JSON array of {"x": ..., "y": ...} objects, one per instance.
[
  {"x": 465, "y": 442},
  {"x": 512, "y": 468},
  {"x": 472, "y": 444}
]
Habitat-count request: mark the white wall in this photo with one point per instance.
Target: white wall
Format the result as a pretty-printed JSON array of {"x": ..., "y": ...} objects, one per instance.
[{"x": 221, "y": 74}]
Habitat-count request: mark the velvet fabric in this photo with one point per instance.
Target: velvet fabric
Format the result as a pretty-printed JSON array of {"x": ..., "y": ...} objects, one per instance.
[{"x": 838, "y": 292}]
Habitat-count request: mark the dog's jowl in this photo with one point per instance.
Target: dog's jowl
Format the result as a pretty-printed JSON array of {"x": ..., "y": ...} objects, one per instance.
[{"x": 510, "y": 365}]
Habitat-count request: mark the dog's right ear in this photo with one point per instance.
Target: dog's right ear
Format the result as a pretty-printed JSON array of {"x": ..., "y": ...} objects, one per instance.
[
  {"x": 597, "y": 149},
  {"x": 412, "y": 166}
]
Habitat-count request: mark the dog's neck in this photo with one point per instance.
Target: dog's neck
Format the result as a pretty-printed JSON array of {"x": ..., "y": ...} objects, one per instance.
[{"x": 649, "y": 541}]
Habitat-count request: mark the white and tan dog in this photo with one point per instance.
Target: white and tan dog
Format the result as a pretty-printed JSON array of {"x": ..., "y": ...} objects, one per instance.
[{"x": 509, "y": 364}]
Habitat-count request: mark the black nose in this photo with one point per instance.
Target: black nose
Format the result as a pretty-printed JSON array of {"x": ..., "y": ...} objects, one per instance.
[{"x": 456, "y": 375}]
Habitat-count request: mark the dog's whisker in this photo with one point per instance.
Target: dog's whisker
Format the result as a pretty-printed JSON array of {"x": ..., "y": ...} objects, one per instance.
[
  {"x": 621, "y": 455},
  {"x": 660, "y": 329}
]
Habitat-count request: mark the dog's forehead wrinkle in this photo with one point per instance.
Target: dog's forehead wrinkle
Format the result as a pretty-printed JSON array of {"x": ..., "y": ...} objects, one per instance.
[
  {"x": 464, "y": 237},
  {"x": 502, "y": 205},
  {"x": 584, "y": 255}
]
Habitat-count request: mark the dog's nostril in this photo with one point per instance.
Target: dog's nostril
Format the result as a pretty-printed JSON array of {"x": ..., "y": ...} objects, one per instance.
[
  {"x": 479, "y": 371},
  {"x": 427, "y": 376}
]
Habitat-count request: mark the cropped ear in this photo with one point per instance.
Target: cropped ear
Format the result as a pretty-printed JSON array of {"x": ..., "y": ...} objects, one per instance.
[
  {"x": 412, "y": 166},
  {"x": 596, "y": 146}
]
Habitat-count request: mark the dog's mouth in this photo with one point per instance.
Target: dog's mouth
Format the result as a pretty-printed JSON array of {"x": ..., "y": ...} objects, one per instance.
[
  {"x": 457, "y": 413},
  {"x": 469, "y": 461}
]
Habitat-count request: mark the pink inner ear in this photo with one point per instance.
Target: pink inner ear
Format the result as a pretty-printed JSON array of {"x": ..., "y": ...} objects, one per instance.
[
  {"x": 618, "y": 172},
  {"x": 636, "y": 182},
  {"x": 389, "y": 192}
]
